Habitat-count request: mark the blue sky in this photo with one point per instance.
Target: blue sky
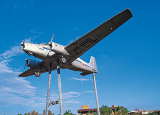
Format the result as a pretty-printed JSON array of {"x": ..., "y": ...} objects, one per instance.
[{"x": 128, "y": 59}]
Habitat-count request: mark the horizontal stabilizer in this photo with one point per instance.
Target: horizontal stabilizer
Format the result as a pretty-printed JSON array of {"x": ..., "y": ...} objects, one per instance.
[{"x": 85, "y": 73}]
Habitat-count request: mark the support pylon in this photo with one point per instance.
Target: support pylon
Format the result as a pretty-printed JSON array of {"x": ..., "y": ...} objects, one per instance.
[
  {"x": 60, "y": 90},
  {"x": 48, "y": 92},
  {"x": 96, "y": 94}
]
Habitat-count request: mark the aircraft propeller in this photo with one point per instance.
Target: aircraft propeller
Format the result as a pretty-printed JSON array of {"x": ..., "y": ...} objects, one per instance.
[
  {"x": 50, "y": 43},
  {"x": 22, "y": 44}
]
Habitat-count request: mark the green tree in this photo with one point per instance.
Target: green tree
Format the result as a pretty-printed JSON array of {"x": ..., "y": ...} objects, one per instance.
[
  {"x": 120, "y": 110},
  {"x": 154, "y": 113},
  {"x": 105, "y": 110},
  {"x": 19, "y": 114},
  {"x": 68, "y": 112},
  {"x": 26, "y": 113}
]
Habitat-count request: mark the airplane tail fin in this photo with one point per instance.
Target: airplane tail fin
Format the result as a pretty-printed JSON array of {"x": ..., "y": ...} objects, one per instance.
[{"x": 92, "y": 63}]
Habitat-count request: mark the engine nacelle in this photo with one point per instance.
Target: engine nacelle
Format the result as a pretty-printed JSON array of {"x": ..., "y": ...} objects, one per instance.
[
  {"x": 31, "y": 63},
  {"x": 37, "y": 74}
]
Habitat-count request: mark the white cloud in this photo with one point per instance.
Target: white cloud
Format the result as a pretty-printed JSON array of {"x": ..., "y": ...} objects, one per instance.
[
  {"x": 88, "y": 92},
  {"x": 14, "y": 90},
  {"x": 80, "y": 79},
  {"x": 72, "y": 102},
  {"x": 19, "y": 86},
  {"x": 72, "y": 97},
  {"x": 14, "y": 99},
  {"x": 71, "y": 94},
  {"x": 11, "y": 52},
  {"x": 4, "y": 68},
  {"x": 69, "y": 97}
]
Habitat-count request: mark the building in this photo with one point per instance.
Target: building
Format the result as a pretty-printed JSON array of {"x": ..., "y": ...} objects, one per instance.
[
  {"x": 86, "y": 110},
  {"x": 144, "y": 112}
]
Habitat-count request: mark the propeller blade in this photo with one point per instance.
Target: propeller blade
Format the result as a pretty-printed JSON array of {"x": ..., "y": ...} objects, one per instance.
[
  {"x": 52, "y": 39},
  {"x": 22, "y": 44}
]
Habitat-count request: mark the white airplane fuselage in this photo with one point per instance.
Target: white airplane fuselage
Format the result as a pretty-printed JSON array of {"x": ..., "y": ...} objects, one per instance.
[{"x": 48, "y": 54}]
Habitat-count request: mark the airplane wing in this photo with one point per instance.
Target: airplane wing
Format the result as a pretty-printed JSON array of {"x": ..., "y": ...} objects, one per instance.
[
  {"x": 31, "y": 71},
  {"x": 80, "y": 46},
  {"x": 40, "y": 68}
]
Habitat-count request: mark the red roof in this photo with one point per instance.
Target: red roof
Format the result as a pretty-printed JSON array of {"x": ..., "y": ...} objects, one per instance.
[{"x": 86, "y": 110}]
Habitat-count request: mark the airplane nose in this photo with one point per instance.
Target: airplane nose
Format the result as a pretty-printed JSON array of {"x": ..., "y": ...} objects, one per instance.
[{"x": 23, "y": 45}]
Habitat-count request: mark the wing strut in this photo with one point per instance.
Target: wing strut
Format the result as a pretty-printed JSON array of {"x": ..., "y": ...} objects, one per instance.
[
  {"x": 60, "y": 90},
  {"x": 48, "y": 100}
]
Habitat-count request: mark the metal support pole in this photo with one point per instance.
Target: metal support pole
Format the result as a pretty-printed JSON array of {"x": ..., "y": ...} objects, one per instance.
[
  {"x": 60, "y": 90},
  {"x": 48, "y": 93},
  {"x": 95, "y": 91}
]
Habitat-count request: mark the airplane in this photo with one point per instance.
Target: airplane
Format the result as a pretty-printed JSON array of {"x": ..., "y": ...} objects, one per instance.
[{"x": 53, "y": 54}]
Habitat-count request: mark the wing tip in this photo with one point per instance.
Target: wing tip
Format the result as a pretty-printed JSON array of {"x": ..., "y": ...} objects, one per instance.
[
  {"x": 21, "y": 75},
  {"x": 129, "y": 12}
]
